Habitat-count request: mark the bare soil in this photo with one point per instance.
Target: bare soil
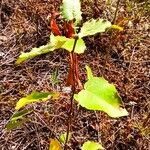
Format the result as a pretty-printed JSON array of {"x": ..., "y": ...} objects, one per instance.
[{"x": 123, "y": 58}]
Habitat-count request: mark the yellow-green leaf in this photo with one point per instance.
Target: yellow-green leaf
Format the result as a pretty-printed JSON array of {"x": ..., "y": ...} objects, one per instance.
[
  {"x": 54, "y": 145},
  {"x": 93, "y": 26},
  {"x": 71, "y": 9},
  {"x": 98, "y": 94},
  {"x": 35, "y": 97},
  {"x": 56, "y": 42},
  {"x": 90, "y": 145},
  {"x": 117, "y": 27},
  {"x": 80, "y": 46},
  {"x": 67, "y": 44}
]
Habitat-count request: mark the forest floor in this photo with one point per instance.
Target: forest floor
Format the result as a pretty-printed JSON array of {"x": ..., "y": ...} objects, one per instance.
[{"x": 123, "y": 58}]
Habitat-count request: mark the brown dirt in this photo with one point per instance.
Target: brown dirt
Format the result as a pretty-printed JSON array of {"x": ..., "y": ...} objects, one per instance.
[{"x": 123, "y": 58}]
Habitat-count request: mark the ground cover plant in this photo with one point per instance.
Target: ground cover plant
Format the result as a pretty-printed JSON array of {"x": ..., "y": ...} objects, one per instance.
[{"x": 69, "y": 38}]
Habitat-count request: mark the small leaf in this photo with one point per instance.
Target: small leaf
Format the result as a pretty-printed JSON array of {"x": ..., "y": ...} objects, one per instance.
[
  {"x": 35, "y": 97},
  {"x": 98, "y": 94},
  {"x": 17, "y": 119},
  {"x": 93, "y": 26},
  {"x": 71, "y": 9},
  {"x": 62, "y": 137},
  {"x": 117, "y": 27},
  {"x": 54, "y": 76},
  {"x": 90, "y": 145},
  {"x": 89, "y": 72},
  {"x": 54, "y": 145}
]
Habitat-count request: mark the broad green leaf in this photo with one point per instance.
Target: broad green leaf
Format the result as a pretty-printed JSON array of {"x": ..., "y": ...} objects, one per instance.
[
  {"x": 98, "y": 94},
  {"x": 54, "y": 145},
  {"x": 93, "y": 26},
  {"x": 17, "y": 119},
  {"x": 35, "y": 97},
  {"x": 62, "y": 137},
  {"x": 71, "y": 9},
  {"x": 90, "y": 145}
]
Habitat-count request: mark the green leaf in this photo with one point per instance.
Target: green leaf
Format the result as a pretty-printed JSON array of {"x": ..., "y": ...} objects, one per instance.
[
  {"x": 54, "y": 77},
  {"x": 54, "y": 145},
  {"x": 62, "y": 137},
  {"x": 90, "y": 145},
  {"x": 77, "y": 11},
  {"x": 93, "y": 26},
  {"x": 35, "y": 97},
  {"x": 17, "y": 119},
  {"x": 71, "y": 9},
  {"x": 35, "y": 52},
  {"x": 56, "y": 42},
  {"x": 67, "y": 9},
  {"x": 20, "y": 114},
  {"x": 98, "y": 94}
]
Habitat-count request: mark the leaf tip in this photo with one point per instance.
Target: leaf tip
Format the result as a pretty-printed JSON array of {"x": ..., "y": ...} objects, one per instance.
[
  {"x": 117, "y": 27},
  {"x": 89, "y": 72}
]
